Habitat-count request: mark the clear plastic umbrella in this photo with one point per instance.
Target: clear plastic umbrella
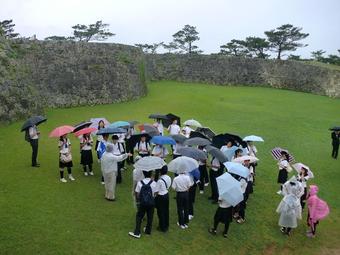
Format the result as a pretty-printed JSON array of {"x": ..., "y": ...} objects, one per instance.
[
  {"x": 182, "y": 164},
  {"x": 229, "y": 189},
  {"x": 237, "y": 168},
  {"x": 149, "y": 163},
  {"x": 192, "y": 122},
  {"x": 253, "y": 138}
]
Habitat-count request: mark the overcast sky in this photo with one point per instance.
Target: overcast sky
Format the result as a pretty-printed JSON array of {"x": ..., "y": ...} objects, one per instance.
[{"x": 149, "y": 21}]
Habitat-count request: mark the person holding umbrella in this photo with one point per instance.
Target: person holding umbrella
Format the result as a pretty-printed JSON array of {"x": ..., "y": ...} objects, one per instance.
[
  {"x": 86, "y": 159},
  {"x": 65, "y": 158},
  {"x": 158, "y": 124},
  {"x": 101, "y": 125},
  {"x": 284, "y": 167},
  {"x": 335, "y": 143},
  {"x": 216, "y": 170},
  {"x": 143, "y": 147}
]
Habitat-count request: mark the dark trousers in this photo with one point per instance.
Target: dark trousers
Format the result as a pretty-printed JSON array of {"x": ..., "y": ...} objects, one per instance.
[
  {"x": 34, "y": 145},
  {"x": 90, "y": 168},
  {"x": 226, "y": 225},
  {"x": 182, "y": 200},
  {"x": 69, "y": 171},
  {"x": 192, "y": 196},
  {"x": 119, "y": 172},
  {"x": 242, "y": 208},
  {"x": 142, "y": 210},
  {"x": 335, "y": 151},
  {"x": 214, "y": 190},
  {"x": 303, "y": 199},
  {"x": 162, "y": 205},
  {"x": 144, "y": 155},
  {"x": 203, "y": 176}
]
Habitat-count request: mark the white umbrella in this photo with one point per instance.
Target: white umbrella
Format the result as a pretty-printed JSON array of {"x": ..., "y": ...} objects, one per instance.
[
  {"x": 245, "y": 158},
  {"x": 253, "y": 138},
  {"x": 149, "y": 163},
  {"x": 182, "y": 164},
  {"x": 298, "y": 167},
  {"x": 237, "y": 168},
  {"x": 229, "y": 189},
  {"x": 192, "y": 122}
]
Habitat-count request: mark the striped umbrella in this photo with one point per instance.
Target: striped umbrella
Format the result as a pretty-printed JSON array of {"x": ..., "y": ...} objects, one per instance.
[{"x": 276, "y": 153}]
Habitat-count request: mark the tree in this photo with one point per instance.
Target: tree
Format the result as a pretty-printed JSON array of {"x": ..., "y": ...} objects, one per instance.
[
  {"x": 318, "y": 54},
  {"x": 294, "y": 57},
  {"x": 285, "y": 38},
  {"x": 97, "y": 32},
  {"x": 256, "y": 46},
  {"x": 56, "y": 38},
  {"x": 7, "y": 29},
  {"x": 234, "y": 48},
  {"x": 149, "y": 48},
  {"x": 171, "y": 46},
  {"x": 185, "y": 39}
]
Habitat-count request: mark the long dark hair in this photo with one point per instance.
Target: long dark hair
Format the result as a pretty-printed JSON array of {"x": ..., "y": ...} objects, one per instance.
[
  {"x": 101, "y": 121},
  {"x": 285, "y": 154}
]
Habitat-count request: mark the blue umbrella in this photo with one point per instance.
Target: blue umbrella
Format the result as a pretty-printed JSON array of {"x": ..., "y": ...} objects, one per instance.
[
  {"x": 118, "y": 124},
  {"x": 110, "y": 130},
  {"x": 158, "y": 139},
  {"x": 229, "y": 189},
  {"x": 237, "y": 168},
  {"x": 196, "y": 174},
  {"x": 230, "y": 152}
]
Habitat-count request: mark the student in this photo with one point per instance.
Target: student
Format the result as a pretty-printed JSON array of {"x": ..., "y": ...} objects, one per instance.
[
  {"x": 159, "y": 151},
  {"x": 303, "y": 177},
  {"x": 101, "y": 125},
  {"x": 283, "y": 170},
  {"x": 158, "y": 124},
  {"x": 145, "y": 194},
  {"x": 250, "y": 179},
  {"x": 143, "y": 147},
  {"x": 252, "y": 151},
  {"x": 65, "y": 158},
  {"x": 186, "y": 131},
  {"x": 129, "y": 147},
  {"x": 162, "y": 199},
  {"x": 181, "y": 184},
  {"x": 223, "y": 214},
  {"x": 118, "y": 149},
  {"x": 195, "y": 180},
  {"x": 317, "y": 210},
  {"x": 204, "y": 179},
  {"x": 215, "y": 171},
  {"x": 86, "y": 158},
  {"x": 237, "y": 154},
  {"x": 33, "y": 135},
  {"x": 225, "y": 148},
  {"x": 121, "y": 141},
  {"x": 335, "y": 144},
  {"x": 101, "y": 148},
  {"x": 174, "y": 129},
  {"x": 240, "y": 211},
  {"x": 176, "y": 147}
]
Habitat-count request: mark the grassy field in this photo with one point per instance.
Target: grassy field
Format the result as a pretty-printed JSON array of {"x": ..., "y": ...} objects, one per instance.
[{"x": 40, "y": 215}]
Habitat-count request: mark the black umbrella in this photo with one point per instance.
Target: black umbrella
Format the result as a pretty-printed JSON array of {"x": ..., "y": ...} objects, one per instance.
[
  {"x": 221, "y": 139},
  {"x": 215, "y": 152},
  {"x": 198, "y": 134},
  {"x": 206, "y": 131},
  {"x": 335, "y": 128},
  {"x": 34, "y": 120},
  {"x": 134, "y": 139},
  {"x": 158, "y": 116},
  {"x": 170, "y": 118},
  {"x": 192, "y": 153},
  {"x": 197, "y": 141},
  {"x": 81, "y": 125},
  {"x": 179, "y": 138}
]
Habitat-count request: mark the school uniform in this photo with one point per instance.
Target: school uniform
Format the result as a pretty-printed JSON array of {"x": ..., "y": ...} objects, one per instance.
[
  {"x": 162, "y": 201},
  {"x": 118, "y": 150},
  {"x": 162, "y": 152},
  {"x": 174, "y": 129},
  {"x": 86, "y": 158},
  {"x": 159, "y": 127},
  {"x": 186, "y": 131},
  {"x": 283, "y": 173},
  {"x": 335, "y": 144},
  {"x": 303, "y": 180},
  {"x": 142, "y": 210},
  {"x": 181, "y": 184},
  {"x": 64, "y": 148},
  {"x": 223, "y": 215},
  {"x": 215, "y": 171},
  {"x": 98, "y": 140},
  {"x": 129, "y": 147},
  {"x": 250, "y": 179},
  {"x": 34, "y": 141},
  {"x": 143, "y": 148},
  {"x": 242, "y": 204},
  {"x": 192, "y": 195},
  {"x": 203, "y": 174}
]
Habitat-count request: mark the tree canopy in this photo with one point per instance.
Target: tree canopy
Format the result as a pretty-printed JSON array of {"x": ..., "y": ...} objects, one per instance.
[
  {"x": 7, "y": 29},
  {"x": 185, "y": 38}
]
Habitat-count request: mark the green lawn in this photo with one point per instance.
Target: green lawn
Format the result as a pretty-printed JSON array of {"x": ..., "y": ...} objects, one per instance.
[{"x": 40, "y": 215}]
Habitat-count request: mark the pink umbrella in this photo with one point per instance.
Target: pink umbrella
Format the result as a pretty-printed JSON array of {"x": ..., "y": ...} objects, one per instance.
[
  {"x": 245, "y": 158},
  {"x": 85, "y": 131},
  {"x": 60, "y": 131}
]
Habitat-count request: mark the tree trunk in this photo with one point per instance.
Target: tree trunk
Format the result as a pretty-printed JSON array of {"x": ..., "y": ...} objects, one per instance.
[
  {"x": 279, "y": 53},
  {"x": 189, "y": 47}
]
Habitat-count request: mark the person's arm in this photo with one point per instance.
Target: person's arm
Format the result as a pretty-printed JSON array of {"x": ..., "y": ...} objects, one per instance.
[{"x": 120, "y": 157}]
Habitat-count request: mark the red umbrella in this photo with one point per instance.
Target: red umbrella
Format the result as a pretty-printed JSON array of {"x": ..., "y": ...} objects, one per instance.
[
  {"x": 85, "y": 131},
  {"x": 60, "y": 131}
]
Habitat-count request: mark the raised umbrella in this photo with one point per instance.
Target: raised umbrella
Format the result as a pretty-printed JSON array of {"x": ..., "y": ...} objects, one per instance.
[
  {"x": 192, "y": 153},
  {"x": 216, "y": 153},
  {"x": 134, "y": 139},
  {"x": 298, "y": 167},
  {"x": 170, "y": 118},
  {"x": 62, "y": 130},
  {"x": 198, "y": 134},
  {"x": 276, "y": 153},
  {"x": 179, "y": 138},
  {"x": 182, "y": 164},
  {"x": 253, "y": 138},
  {"x": 85, "y": 131},
  {"x": 34, "y": 120},
  {"x": 246, "y": 158},
  {"x": 237, "y": 168},
  {"x": 148, "y": 128},
  {"x": 192, "y": 122},
  {"x": 161, "y": 140},
  {"x": 229, "y": 189},
  {"x": 197, "y": 141},
  {"x": 149, "y": 163},
  {"x": 81, "y": 125},
  {"x": 109, "y": 130},
  {"x": 206, "y": 131},
  {"x": 120, "y": 124}
]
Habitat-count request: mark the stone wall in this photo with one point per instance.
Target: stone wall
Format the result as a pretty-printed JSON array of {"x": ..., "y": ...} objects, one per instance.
[{"x": 224, "y": 70}]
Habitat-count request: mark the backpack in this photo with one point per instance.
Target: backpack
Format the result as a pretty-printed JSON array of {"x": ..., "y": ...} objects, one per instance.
[
  {"x": 145, "y": 196},
  {"x": 27, "y": 136}
]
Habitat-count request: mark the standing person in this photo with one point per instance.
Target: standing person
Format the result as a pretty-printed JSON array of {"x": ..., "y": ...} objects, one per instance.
[
  {"x": 129, "y": 147},
  {"x": 204, "y": 179},
  {"x": 192, "y": 194},
  {"x": 143, "y": 147},
  {"x": 65, "y": 158},
  {"x": 174, "y": 129},
  {"x": 240, "y": 210},
  {"x": 86, "y": 158},
  {"x": 159, "y": 151},
  {"x": 33, "y": 134},
  {"x": 109, "y": 166},
  {"x": 137, "y": 176},
  {"x": 158, "y": 124},
  {"x": 223, "y": 214},
  {"x": 145, "y": 194},
  {"x": 186, "y": 131},
  {"x": 335, "y": 143},
  {"x": 118, "y": 150},
  {"x": 176, "y": 147},
  {"x": 215, "y": 171},
  {"x": 252, "y": 151},
  {"x": 317, "y": 210},
  {"x": 162, "y": 199},
  {"x": 181, "y": 184},
  {"x": 250, "y": 179},
  {"x": 303, "y": 177},
  {"x": 121, "y": 141},
  {"x": 101, "y": 148},
  {"x": 284, "y": 167},
  {"x": 101, "y": 125}
]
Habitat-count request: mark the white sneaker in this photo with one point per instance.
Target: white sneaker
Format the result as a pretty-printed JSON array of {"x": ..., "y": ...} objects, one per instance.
[
  {"x": 191, "y": 217},
  {"x": 71, "y": 177},
  {"x": 279, "y": 192},
  {"x": 86, "y": 174},
  {"x": 91, "y": 173},
  {"x": 182, "y": 226},
  {"x": 102, "y": 183},
  {"x": 206, "y": 184},
  {"x": 201, "y": 192},
  {"x": 133, "y": 235},
  {"x": 186, "y": 226},
  {"x": 63, "y": 180}
]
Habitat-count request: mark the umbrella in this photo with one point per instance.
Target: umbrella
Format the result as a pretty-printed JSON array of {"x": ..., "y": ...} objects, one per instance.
[
  {"x": 170, "y": 118},
  {"x": 34, "y": 120},
  {"x": 335, "y": 128},
  {"x": 298, "y": 167},
  {"x": 109, "y": 130},
  {"x": 230, "y": 152},
  {"x": 158, "y": 116},
  {"x": 276, "y": 153},
  {"x": 120, "y": 123},
  {"x": 237, "y": 168},
  {"x": 192, "y": 122},
  {"x": 245, "y": 158},
  {"x": 179, "y": 138},
  {"x": 192, "y": 153},
  {"x": 60, "y": 131},
  {"x": 133, "y": 122},
  {"x": 222, "y": 139},
  {"x": 195, "y": 174},
  {"x": 81, "y": 125},
  {"x": 229, "y": 189},
  {"x": 149, "y": 163},
  {"x": 198, "y": 134},
  {"x": 206, "y": 131},
  {"x": 95, "y": 122},
  {"x": 161, "y": 140},
  {"x": 134, "y": 139},
  {"x": 253, "y": 138},
  {"x": 85, "y": 131},
  {"x": 215, "y": 152},
  {"x": 182, "y": 164},
  {"x": 197, "y": 141},
  {"x": 148, "y": 128}
]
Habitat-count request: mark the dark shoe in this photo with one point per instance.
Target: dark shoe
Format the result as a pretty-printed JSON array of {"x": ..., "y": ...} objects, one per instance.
[
  {"x": 225, "y": 235},
  {"x": 212, "y": 231},
  {"x": 111, "y": 200},
  {"x": 37, "y": 165}
]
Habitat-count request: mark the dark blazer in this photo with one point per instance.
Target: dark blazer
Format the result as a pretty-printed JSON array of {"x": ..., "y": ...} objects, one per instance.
[{"x": 335, "y": 139}]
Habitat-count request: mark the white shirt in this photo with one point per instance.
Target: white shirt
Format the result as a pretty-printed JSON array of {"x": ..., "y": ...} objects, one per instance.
[
  {"x": 252, "y": 150},
  {"x": 303, "y": 180},
  {"x": 222, "y": 203},
  {"x": 283, "y": 164},
  {"x": 186, "y": 131},
  {"x": 153, "y": 185},
  {"x": 33, "y": 132},
  {"x": 182, "y": 183},
  {"x": 162, "y": 189},
  {"x": 215, "y": 164},
  {"x": 117, "y": 149},
  {"x": 161, "y": 152},
  {"x": 174, "y": 129},
  {"x": 109, "y": 162},
  {"x": 244, "y": 185},
  {"x": 159, "y": 127},
  {"x": 143, "y": 148},
  {"x": 64, "y": 146},
  {"x": 84, "y": 141},
  {"x": 121, "y": 138},
  {"x": 137, "y": 175}
]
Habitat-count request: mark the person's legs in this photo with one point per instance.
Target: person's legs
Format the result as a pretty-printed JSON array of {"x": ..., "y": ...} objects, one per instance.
[
  {"x": 226, "y": 228},
  {"x": 61, "y": 171},
  {"x": 201, "y": 184},
  {"x": 119, "y": 173},
  {"x": 206, "y": 177},
  {"x": 192, "y": 195},
  {"x": 113, "y": 184},
  {"x": 166, "y": 212},
  {"x": 186, "y": 207},
  {"x": 84, "y": 168},
  {"x": 336, "y": 152},
  {"x": 69, "y": 170},
  {"x": 180, "y": 209},
  {"x": 214, "y": 191},
  {"x": 34, "y": 145},
  {"x": 149, "y": 215},
  {"x": 139, "y": 217}
]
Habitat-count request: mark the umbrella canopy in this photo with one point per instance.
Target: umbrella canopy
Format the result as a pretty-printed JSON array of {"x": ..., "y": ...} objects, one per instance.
[
  {"x": 95, "y": 122},
  {"x": 276, "y": 153},
  {"x": 149, "y": 163},
  {"x": 81, "y": 125},
  {"x": 198, "y": 134},
  {"x": 230, "y": 152},
  {"x": 170, "y": 118},
  {"x": 182, "y": 164},
  {"x": 34, "y": 120},
  {"x": 179, "y": 138},
  {"x": 158, "y": 116},
  {"x": 298, "y": 167},
  {"x": 133, "y": 122},
  {"x": 229, "y": 189},
  {"x": 253, "y": 138},
  {"x": 60, "y": 131},
  {"x": 245, "y": 158},
  {"x": 192, "y": 122},
  {"x": 222, "y": 139},
  {"x": 335, "y": 128},
  {"x": 120, "y": 123},
  {"x": 197, "y": 141},
  {"x": 134, "y": 139},
  {"x": 237, "y": 168},
  {"x": 195, "y": 174},
  {"x": 148, "y": 128},
  {"x": 216, "y": 153},
  {"x": 109, "y": 130},
  {"x": 85, "y": 131},
  {"x": 206, "y": 131},
  {"x": 192, "y": 153},
  {"x": 161, "y": 140}
]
